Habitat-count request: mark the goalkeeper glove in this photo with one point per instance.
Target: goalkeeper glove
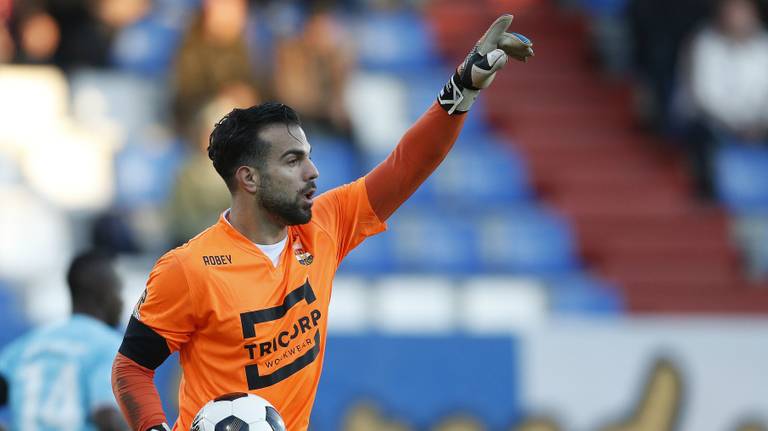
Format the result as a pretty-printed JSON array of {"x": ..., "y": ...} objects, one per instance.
[
  {"x": 161, "y": 427},
  {"x": 478, "y": 70}
]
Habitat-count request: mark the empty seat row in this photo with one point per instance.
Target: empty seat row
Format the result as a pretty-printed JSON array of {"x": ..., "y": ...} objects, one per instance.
[{"x": 525, "y": 240}]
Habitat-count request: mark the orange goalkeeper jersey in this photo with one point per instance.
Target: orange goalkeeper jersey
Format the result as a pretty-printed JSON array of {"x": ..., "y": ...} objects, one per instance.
[{"x": 242, "y": 324}]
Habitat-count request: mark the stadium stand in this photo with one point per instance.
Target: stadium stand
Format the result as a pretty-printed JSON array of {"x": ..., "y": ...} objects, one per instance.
[
  {"x": 549, "y": 185},
  {"x": 625, "y": 192}
]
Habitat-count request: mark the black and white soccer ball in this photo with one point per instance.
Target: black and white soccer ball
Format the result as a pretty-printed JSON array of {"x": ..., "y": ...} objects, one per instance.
[{"x": 238, "y": 411}]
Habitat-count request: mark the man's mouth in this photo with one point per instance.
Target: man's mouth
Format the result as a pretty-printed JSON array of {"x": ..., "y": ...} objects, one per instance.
[{"x": 309, "y": 194}]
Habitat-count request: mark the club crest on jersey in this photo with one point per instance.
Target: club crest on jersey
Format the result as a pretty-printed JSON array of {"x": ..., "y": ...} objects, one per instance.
[{"x": 304, "y": 257}]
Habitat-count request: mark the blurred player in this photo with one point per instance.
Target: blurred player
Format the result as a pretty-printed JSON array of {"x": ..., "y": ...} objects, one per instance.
[
  {"x": 57, "y": 377},
  {"x": 246, "y": 301}
]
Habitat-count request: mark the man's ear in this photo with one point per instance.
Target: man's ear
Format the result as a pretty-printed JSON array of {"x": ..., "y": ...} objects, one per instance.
[{"x": 247, "y": 178}]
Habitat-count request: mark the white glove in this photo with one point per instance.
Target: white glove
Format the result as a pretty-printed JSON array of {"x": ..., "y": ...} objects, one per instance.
[{"x": 478, "y": 70}]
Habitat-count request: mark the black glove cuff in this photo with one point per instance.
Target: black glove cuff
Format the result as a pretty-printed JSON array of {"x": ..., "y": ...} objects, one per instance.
[
  {"x": 160, "y": 427},
  {"x": 455, "y": 98},
  {"x": 451, "y": 95}
]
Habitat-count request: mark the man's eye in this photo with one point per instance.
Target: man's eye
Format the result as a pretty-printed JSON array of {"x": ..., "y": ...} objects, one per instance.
[{"x": 293, "y": 162}]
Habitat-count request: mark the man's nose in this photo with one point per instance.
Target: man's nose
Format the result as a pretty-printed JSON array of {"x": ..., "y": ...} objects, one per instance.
[{"x": 312, "y": 172}]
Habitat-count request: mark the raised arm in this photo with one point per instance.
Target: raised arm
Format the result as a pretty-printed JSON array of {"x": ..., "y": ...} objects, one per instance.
[{"x": 426, "y": 143}]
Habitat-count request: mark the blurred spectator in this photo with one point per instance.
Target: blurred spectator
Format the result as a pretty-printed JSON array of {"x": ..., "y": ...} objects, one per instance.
[
  {"x": 312, "y": 69},
  {"x": 729, "y": 71},
  {"x": 659, "y": 29},
  {"x": 6, "y": 43},
  {"x": 728, "y": 85},
  {"x": 199, "y": 195},
  {"x": 68, "y": 33},
  {"x": 213, "y": 60},
  {"x": 112, "y": 231},
  {"x": 37, "y": 35}
]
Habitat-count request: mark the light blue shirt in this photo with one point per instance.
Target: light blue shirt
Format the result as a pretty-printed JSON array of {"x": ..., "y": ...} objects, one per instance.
[{"x": 59, "y": 374}]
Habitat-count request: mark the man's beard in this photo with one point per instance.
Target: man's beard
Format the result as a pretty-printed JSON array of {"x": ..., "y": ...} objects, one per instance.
[{"x": 283, "y": 208}]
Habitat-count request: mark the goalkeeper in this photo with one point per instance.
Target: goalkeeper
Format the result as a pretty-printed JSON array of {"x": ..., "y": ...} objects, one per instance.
[{"x": 246, "y": 301}]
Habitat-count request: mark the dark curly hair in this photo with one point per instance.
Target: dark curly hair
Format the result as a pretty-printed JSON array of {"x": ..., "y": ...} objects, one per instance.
[{"x": 235, "y": 141}]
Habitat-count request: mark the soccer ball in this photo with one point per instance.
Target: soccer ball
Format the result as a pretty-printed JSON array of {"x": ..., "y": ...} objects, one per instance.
[{"x": 238, "y": 411}]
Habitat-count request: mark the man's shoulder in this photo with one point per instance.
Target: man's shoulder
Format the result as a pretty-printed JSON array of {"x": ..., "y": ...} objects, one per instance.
[
  {"x": 335, "y": 202},
  {"x": 199, "y": 243}
]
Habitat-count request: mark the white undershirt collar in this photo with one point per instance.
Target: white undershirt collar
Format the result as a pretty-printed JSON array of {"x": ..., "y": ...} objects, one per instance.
[{"x": 273, "y": 251}]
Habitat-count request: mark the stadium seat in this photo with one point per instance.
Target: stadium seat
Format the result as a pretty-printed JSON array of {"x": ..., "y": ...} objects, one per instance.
[
  {"x": 583, "y": 294},
  {"x": 604, "y": 7},
  {"x": 177, "y": 6},
  {"x": 39, "y": 89},
  {"x": 81, "y": 162},
  {"x": 401, "y": 39},
  {"x": 146, "y": 47},
  {"x": 336, "y": 160},
  {"x": 741, "y": 180},
  {"x": 415, "y": 304},
  {"x": 145, "y": 170},
  {"x": 501, "y": 304},
  {"x": 9, "y": 169},
  {"x": 25, "y": 256},
  {"x": 479, "y": 170},
  {"x": 116, "y": 103},
  {"x": 379, "y": 116},
  {"x": 433, "y": 242},
  {"x": 349, "y": 308},
  {"x": 373, "y": 257},
  {"x": 526, "y": 240},
  {"x": 482, "y": 173},
  {"x": 751, "y": 232},
  {"x": 422, "y": 89}
]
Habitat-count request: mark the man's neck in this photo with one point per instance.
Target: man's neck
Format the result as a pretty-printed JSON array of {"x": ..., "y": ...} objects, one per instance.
[{"x": 256, "y": 224}]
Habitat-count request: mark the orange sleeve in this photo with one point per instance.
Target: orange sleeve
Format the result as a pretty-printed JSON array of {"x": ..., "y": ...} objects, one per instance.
[
  {"x": 418, "y": 154},
  {"x": 166, "y": 306},
  {"x": 136, "y": 394}
]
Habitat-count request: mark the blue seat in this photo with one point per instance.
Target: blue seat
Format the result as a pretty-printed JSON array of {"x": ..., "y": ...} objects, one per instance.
[
  {"x": 428, "y": 241},
  {"x": 373, "y": 257},
  {"x": 422, "y": 90},
  {"x": 483, "y": 173},
  {"x": 479, "y": 170},
  {"x": 145, "y": 172},
  {"x": 604, "y": 7},
  {"x": 177, "y": 7},
  {"x": 131, "y": 102},
  {"x": 526, "y": 240},
  {"x": 395, "y": 41},
  {"x": 741, "y": 178},
  {"x": 337, "y": 162},
  {"x": 581, "y": 293},
  {"x": 147, "y": 47}
]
